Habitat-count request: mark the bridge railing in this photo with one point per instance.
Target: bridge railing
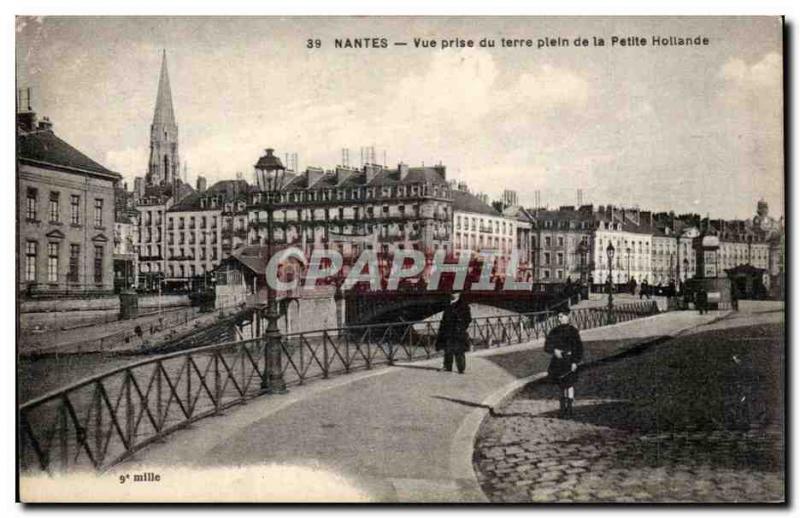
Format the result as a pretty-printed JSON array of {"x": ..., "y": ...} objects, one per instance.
[{"x": 103, "y": 419}]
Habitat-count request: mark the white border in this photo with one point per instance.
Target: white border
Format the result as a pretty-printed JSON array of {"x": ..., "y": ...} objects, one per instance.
[{"x": 320, "y": 7}]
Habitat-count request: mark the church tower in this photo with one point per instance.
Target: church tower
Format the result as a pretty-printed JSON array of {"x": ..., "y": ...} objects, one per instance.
[{"x": 164, "y": 165}]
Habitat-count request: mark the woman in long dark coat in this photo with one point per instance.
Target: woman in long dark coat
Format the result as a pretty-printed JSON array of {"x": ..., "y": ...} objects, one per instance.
[{"x": 564, "y": 343}]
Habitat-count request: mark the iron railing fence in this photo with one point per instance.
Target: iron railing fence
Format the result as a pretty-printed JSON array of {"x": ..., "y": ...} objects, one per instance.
[{"x": 101, "y": 420}]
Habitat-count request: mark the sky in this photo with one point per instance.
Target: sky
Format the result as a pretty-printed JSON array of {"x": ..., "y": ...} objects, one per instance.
[{"x": 690, "y": 129}]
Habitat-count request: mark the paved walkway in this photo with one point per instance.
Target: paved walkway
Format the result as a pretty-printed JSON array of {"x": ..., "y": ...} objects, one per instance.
[
  {"x": 697, "y": 419},
  {"x": 397, "y": 434}
]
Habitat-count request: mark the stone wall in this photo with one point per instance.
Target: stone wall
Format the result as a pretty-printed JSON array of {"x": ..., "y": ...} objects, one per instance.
[{"x": 64, "y": 314}]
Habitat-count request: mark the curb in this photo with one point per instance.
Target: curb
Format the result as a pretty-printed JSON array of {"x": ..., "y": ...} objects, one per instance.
[{"x": 462, "y": 448}]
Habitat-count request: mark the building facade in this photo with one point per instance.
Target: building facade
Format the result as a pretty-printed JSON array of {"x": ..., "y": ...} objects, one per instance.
[
  {"x": 556, "y": 242},
  {"x": 65, "y": 214},
  {"x": 479, "y": 228},
  {"x": 631, "y": 236},
  {"x": 352, "y": 209},
  {"x": 126, "y": 240},
  {"x": 204, "y": 228}
]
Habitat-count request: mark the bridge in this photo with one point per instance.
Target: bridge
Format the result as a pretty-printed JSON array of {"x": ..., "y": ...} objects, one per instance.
[
  {"x": 104, "y": 419},
  {"x": 409, "y": 305}
]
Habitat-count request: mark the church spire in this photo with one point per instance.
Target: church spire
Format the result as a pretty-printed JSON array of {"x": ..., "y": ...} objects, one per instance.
[
  {"x": 164, "y": 164},
  {"x": 164, "y": 113}
]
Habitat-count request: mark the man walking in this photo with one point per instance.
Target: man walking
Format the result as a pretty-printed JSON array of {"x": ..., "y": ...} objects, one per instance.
[{"x": 453, "y": 337}]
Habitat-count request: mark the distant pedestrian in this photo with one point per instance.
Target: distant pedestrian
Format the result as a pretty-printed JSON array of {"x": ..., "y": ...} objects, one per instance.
[
  {"x": 701, "y": 301},
  {"x": 645, "y": 292},
  {"x": 453, "y": 338},
  {"x": 564, "y": 343},
  {"x": 734, "y": 298}
]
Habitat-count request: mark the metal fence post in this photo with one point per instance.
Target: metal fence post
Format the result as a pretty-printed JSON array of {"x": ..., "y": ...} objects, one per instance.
[
  {"x": 129, "y": 409},
  {"x": 217, "y": 384}
]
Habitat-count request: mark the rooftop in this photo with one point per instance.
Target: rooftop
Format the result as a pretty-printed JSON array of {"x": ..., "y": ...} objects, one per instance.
[
  {"x": 468, "y": 202},
  {"x": 43, "y": 147}
]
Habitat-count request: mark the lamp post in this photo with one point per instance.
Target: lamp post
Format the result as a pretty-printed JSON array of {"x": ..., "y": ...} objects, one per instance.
[
  {"x": 269, "y": 179},
  {"x": 610, "y": 255},
  {"x": 582, "y": 249},
  {"x": 628, "y": 252}
]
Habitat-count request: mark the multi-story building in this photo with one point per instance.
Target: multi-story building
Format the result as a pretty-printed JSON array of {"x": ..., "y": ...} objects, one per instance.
[
  {"x": 631, "y": 234},
  {"x": 524, "y": 225},
  {"x": 556, "y": 241},
  {"x": 350, "y": 209},
  {"x": 126, "y": 240},
  {"x": 478, "y": 227},
  {"x": 65, "y": 214},
  {"x": 673, "y": 259},
  {"x": 204, "y": 228}
]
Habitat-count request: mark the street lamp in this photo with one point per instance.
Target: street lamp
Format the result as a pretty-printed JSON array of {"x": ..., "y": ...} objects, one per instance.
[
  {"x": 628, "y": 252},
  {"x": 269, "y": 181},
  {"x": 610, "y": 255},
  {"x": 582, "y": 249}
]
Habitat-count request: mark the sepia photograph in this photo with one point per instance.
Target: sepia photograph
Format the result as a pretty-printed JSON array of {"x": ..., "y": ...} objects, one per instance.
[{"x": 400, "y": 259}]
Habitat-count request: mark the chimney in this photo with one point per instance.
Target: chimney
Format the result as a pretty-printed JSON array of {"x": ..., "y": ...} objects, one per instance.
[
  {"x": 26, "y": 121},
  {"x": 45, "y": 124},
  {"x": 342, "y": 173},
  {"x": 138, "y": 186},
  {"x": 403, "y": 168},
  {"x": 372, "y": 171},
  {"x": 313, "y": 175},
  {"x": 202, "y": 184},
  {"x": 439, "y": 168}
]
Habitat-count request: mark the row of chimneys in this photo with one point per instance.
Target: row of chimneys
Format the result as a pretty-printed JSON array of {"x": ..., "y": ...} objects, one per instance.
[{"x": 26, "y": 121}]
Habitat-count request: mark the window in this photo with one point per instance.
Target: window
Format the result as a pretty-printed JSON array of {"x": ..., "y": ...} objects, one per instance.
[
  {"x": 548, "y": 242},
  {"x": 98, "y": 263},
  {"x": 560, "y": 258},
  {"x": 52, "y": 262},
  {"x": 546, "y": 258},
  {"x": 30, "y": 207},
  {"x": 560, "y": 241},
  {"x": 75, "y": 209},
  {"x": 559, "y": 274},
  {"x": 54, "y": 212},
  {"x": 74, "y": 262},
  {"x": 30, "y": 261},
  {"x": 98, "y": 212}
]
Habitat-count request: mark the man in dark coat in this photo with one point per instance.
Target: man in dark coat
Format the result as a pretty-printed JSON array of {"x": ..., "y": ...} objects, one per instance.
[
  {"x": 564, "y": 343},
  {"x": 453, "y": 337},
  {"x": 701, "y": 301}
]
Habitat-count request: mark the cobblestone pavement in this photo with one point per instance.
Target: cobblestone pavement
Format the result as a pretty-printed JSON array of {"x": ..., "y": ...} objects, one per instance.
[{"x": 696, "y": 419}]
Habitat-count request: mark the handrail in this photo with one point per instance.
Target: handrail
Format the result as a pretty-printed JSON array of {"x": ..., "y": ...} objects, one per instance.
[{"x": 102, "y": 419}]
